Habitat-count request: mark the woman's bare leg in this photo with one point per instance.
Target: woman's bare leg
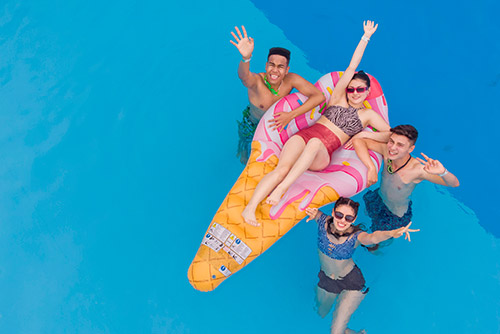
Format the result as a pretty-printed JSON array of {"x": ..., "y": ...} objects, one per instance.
[
  {"x": 289, "y": 155},
  {"x": 347, "y": 303},
  {"x": 314, "y": 156},
  {"x": 324, "y": 301}
]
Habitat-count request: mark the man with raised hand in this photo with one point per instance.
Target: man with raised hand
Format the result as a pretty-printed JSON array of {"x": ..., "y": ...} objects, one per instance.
[
  {"x": 265, "y": 88},
  {"x": 389, "y": 206}
]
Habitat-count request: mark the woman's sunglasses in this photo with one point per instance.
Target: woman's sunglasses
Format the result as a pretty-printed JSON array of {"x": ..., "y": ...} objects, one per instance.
[
  {"x": 357, "y": 89},
  {"x": 348, "y": 218}
]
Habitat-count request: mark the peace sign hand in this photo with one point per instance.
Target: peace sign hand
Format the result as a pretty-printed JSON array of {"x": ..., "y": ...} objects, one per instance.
[
  {"x": 432, "y": 166},
  {"x": 403, "y": 230},
  {"x": 369, "y": 27},
  {"x": 244, "y": 43}
]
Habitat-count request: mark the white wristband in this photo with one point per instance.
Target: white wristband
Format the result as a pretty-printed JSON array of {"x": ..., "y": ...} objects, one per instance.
[
  {"x": 366, "y": 39},
  {"x": 246, "y": 60},
  {"x": 444, "y": 173}
]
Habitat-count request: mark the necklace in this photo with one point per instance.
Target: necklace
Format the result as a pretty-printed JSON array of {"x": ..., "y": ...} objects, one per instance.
[
  {"x": 273, "y": 91},
  {"x": 362, "y": 106},
  {"x": 389, "y": 165}
]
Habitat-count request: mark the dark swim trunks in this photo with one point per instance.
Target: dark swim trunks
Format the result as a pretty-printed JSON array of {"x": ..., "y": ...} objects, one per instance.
[
  {"x": 352, "y": 281},
  {"x": 382, "y": 218}
]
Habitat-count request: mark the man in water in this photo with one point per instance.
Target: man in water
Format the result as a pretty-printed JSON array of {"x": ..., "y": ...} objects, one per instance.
[
  {"x": 389, "y": 206},
  {"x": 264, "y": 89}
]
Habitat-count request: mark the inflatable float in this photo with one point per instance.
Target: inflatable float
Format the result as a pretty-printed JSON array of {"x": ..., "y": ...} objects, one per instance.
[{"x": 229, "y": 243}]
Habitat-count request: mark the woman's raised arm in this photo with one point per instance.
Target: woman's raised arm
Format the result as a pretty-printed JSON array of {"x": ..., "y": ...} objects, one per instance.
[{"x": 339, "y": 91}]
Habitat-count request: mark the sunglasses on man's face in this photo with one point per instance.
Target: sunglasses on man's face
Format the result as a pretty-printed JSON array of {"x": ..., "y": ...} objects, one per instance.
[
  {"x": 348, "y": 218},
  {"x": 357, "y": 89}
]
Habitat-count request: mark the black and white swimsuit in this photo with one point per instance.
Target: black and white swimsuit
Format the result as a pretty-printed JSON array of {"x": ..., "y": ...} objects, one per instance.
[{"x": 347, "y": 119}]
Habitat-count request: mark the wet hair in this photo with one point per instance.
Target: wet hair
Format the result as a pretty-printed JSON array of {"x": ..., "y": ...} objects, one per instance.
[
  {"x": 354, "y": 206},
  {"x": 361, "y": 75},
  {"x": 406, "y": 130},
  {"x": 279, "y": 51},
  {"x": 349, "y": 202}
]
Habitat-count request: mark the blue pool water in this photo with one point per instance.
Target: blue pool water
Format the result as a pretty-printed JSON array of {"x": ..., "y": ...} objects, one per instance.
[{"x": 117, "y": 151}]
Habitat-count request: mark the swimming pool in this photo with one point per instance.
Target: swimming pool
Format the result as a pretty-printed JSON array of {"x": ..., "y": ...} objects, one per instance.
[{"x": 117, "y": 154}]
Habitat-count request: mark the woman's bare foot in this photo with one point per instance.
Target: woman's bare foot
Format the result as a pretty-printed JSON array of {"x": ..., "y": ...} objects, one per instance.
[
  {"x": 249, "y": 216},
  {"x": 275, "y": 196}
]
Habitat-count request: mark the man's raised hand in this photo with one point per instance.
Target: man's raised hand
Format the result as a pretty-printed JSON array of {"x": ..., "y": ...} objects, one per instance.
[{"x": 244, "y": 43}]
